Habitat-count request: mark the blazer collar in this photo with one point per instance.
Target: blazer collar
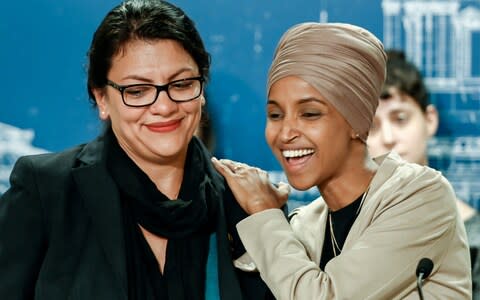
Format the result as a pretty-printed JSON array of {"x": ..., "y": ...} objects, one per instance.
[
  {"x": 103, "y": 205},
  {"x": 387, "y": 164}
]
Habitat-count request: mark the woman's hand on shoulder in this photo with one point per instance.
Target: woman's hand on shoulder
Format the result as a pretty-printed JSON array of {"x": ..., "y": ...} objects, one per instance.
[{"x": 251, "y": 186}]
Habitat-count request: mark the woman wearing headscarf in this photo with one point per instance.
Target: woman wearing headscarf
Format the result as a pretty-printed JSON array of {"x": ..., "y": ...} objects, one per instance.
[{"x": 376, "y": 218}]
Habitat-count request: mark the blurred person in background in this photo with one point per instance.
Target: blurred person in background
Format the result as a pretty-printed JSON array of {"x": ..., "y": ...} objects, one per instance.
[
  {"x": 130, "y": 214},
  {"x": 404, "y": 122}
]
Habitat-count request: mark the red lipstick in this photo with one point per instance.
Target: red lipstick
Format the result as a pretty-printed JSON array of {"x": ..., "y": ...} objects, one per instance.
[{"x": 164, "y": 126}]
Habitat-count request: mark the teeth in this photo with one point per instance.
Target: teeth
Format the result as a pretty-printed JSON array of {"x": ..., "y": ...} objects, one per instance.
[{"x": 297, "y": 153}]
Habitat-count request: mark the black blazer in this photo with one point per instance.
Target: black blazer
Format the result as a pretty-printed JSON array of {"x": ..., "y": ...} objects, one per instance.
[{"x": 61, "y": 231}]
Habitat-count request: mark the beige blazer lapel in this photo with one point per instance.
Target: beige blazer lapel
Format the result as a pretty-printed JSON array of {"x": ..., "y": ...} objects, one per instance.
[{"x": 310, "y": 228}]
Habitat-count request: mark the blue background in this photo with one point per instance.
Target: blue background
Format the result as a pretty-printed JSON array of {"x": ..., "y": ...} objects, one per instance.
[{"x": 43, "y": 56}]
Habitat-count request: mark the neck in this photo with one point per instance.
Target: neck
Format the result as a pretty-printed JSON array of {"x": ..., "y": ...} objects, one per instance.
[
  {"x": 423, "y": 161},
  {"x": 167, "y": 176},
  {"x": 348, "y": 184},
  {"x": 167, "y": 179}
]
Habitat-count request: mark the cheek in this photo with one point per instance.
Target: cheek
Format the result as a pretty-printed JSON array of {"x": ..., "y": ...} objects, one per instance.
[
  {"x": 270, "y": 132},
  {"x": 193, "y": 109},
  {"x": 328, "y": 135},
  {"x": 373, "y": 140},
  {"x": 416, "y": 138},
  {"x": 124, "y": 114},
  {"x": 414, "y": 131},
  {"x": 375, "y": 148}
]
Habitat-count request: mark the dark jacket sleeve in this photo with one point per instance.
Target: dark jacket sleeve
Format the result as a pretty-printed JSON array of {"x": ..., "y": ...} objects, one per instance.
[
  {"x": 251, "y": 283},
  {"x": 22, "y": 239}
]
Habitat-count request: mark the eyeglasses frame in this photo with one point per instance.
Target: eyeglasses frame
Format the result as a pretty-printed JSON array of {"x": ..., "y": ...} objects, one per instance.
[{"x": 160, "y": 88}]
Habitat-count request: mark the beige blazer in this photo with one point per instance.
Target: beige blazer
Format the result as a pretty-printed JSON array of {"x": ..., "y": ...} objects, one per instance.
[{"x": 409, "y": 213}]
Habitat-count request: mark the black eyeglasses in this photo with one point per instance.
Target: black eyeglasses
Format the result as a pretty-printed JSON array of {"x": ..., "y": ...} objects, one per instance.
[{"x": 144, "y": 94}]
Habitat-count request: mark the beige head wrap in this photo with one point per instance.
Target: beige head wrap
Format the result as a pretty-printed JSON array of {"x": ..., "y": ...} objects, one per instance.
[{"x": 345, "y": 63}]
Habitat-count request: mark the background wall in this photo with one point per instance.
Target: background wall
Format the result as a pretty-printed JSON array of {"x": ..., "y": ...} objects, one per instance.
[{"x": 44, "y": 104}]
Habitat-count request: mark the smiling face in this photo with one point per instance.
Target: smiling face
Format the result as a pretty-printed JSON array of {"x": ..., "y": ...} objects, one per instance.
[
  {"x": 400, "y": 125},
  {"x": 309, "y": 137},
  {"x": 159, "y": 132}
]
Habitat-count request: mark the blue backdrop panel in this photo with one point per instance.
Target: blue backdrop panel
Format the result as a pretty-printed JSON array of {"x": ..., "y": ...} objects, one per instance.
[{"x": 43, "y": 56}]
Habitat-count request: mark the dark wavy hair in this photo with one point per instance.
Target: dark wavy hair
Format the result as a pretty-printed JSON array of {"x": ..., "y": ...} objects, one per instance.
[
  {"x": 404, "y": 76},
  {"x": 145, "y": 20}
]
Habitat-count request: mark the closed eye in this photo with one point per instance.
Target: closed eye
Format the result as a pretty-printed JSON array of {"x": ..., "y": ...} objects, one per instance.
[
  {"x": 311, "y": 115},
  {"x": 138, "y": 90},
  {"x": 274, "y": 116},
  {"x": 181, "y": 85}
]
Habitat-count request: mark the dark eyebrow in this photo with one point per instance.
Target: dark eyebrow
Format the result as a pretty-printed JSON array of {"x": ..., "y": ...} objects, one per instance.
[
  {"x": 137, "y": 77},
  {"x": 273, "y": 102},
  {"x": 170, "y": 78}
]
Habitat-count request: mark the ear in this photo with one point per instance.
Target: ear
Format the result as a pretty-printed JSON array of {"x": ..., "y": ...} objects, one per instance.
[
  {"x": 100, "y": 98},
  {"x": 431, "y": 117},
  {"x": 353, "y": 134},
  {"x": 202, "y": 99}
]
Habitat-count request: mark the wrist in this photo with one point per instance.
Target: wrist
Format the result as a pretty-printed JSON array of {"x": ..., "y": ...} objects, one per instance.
[{"x": 259, "y": 207}]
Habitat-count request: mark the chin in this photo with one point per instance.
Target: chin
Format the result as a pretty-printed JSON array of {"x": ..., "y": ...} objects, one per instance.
[
  {"x": 300, "y": 185},
  {"x": 163, "y": 151}
]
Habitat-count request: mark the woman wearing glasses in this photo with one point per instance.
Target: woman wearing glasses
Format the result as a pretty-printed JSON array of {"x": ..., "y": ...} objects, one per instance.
[
  {"x": 377, "y": 218},
  {"x": 130, "y": 214}
]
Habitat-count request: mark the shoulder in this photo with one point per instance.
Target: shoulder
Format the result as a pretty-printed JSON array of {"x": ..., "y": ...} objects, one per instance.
[
  {"x": 54, "y": 170},
  {"x": 48, "y": 162},
  {"x": 391, "y": 166},
  {"x": 82, "y": 154},
  {"x": 395, "y": 174},
  {"x": 414, "y": 186}
]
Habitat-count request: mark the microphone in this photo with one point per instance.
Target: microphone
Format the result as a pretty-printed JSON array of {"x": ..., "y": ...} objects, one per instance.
[{"x": 424, "y": 268}]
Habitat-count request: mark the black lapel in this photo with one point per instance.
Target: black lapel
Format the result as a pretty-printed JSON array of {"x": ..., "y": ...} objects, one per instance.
[
  {"x": 103, "y": 204},
  {"x": 229, "y": 285},
  {"x": 228, "y": 281}
]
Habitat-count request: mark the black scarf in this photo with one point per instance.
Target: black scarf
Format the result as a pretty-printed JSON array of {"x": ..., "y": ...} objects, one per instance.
[
  {"x": 186, "y": 222},
  {"x": 151, "y": 208}
]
